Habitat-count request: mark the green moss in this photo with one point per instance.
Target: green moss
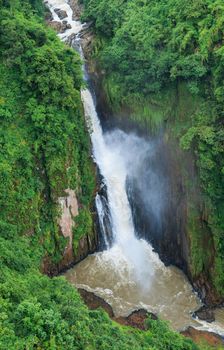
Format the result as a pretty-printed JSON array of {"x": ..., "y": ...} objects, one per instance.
[
  {"x": 83, "y": 227},
  {"x": 199, "y": 255},
  {"x": 216, "y": 224}
]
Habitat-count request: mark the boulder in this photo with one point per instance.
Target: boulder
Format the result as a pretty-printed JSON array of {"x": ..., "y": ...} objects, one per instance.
[
  {"x": 48, "y": 16},
  {"x": 205, "y": 314},
  {"x": 66, "y": 24},
  {"x": 61, "y": 13},
  {"x": 59, "y": 27}
]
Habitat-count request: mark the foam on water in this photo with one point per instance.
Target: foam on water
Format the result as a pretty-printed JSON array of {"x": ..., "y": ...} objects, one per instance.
[{"x": 76, "y": 26}]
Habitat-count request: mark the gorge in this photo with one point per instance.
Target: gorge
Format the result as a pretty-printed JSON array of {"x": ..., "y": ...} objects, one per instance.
[
  {"x": 128, "y": 273},
  {"x": 111, "y": 175}
]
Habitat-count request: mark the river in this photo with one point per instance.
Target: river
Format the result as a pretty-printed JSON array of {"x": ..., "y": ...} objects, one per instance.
[{"x": 128, "y": 274}]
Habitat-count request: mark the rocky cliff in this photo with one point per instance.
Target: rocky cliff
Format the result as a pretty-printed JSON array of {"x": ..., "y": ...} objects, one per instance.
[{"x": 179, "y": 230}]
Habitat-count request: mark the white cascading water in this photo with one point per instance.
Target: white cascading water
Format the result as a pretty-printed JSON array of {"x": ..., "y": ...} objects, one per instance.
[
  {"x": 112, "y": 159},
  {"x": 130, "y": 269},
  {"x": 113, "y": 169}
]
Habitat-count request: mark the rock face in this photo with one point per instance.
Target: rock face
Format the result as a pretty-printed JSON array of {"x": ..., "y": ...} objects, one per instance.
[
  {"x": 86, "y": 34},
  {"x": 179, "y": 225},
  {"x": 159, "y": 204},
  {"x": 69, "y": 210},
  {"x": 197, "y": 336},
  {"x": 87, "y": 41},
  {"x": 174, "y": 220},
  {"x": 87, "y": 244},
  {"x": 77, "y": 9}
]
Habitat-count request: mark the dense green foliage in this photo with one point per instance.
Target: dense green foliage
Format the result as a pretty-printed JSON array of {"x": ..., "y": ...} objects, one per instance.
[
  {"x": 44, "y": 149},
  {"x": 153, "y": 47},
  {"x": 41, "y": 313},
  {"x": 37, "y": 312}
]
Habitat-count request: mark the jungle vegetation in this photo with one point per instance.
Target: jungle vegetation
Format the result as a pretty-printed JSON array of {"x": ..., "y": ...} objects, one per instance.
[{"x": 44, "y": 148}]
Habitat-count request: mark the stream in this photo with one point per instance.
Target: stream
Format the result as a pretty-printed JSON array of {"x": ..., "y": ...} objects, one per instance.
[{"x": 127, "y": 274}]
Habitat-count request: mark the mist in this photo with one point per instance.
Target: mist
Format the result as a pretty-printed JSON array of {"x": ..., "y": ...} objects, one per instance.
[{"x": 146, "y": 184}]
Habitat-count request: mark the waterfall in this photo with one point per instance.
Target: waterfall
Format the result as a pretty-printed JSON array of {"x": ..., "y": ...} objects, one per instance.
[
  {"x": 116, "y": 154},
  {"x": 128, "y": 273}
]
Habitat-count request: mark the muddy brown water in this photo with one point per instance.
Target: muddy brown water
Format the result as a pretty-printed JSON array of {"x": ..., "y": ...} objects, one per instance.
[{"x": 167, "y": 292}]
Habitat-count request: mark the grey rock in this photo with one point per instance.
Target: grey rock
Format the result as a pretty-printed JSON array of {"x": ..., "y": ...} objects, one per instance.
[
  {"x": 205, "y": 314},
  {"x": 61, "y": 13}
]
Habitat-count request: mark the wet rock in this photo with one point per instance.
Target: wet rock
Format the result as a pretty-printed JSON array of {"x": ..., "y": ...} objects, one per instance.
[
  {"x": 205, "y": 314},
  {"x": 66, "y": 24},
  {"x": 136, "y": 319},
  {"x": 87, "y": 245},
  {"x": 59, "y": 27},
  {"x": 198, "y": 336},
  {"x": 61, "y": 13},
  {"x": 94, "y": 302},
  {"x": 206, "y": 290},
  {"x": 104, "y": 222},
  {"x": 70, "y": 41},
  {"x": 48, "y": 16},
  {"x": 76, "y": 8},
  {"x": 87, "y": 40},
  {"x": 86, "y": 34}
]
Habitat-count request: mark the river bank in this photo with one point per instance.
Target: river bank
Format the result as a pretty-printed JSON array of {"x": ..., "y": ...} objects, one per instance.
[{"x": 137, "y": 319}]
